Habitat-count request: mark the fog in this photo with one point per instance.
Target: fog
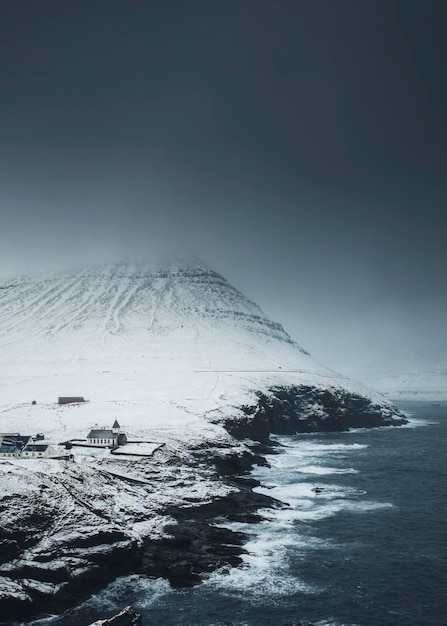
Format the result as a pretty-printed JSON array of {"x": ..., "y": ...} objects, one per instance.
[{"x": 296, "y": 149}]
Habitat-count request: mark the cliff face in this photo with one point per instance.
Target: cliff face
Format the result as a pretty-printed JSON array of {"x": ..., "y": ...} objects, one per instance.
[{"x": 306, "y": 409}]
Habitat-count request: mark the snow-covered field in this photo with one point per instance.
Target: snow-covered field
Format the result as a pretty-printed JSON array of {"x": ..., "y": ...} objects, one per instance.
[
  {"x": 424, "y": 380},
  {"x": 160, "y": 349}
]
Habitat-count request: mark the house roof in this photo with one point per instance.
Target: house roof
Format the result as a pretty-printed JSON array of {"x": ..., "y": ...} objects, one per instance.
[
  {"x": 101, "y": 434},
  {"x": 36, "y": 447},
  {"x": 10, "y": 450},
  {"x": 18, "y": 441}
]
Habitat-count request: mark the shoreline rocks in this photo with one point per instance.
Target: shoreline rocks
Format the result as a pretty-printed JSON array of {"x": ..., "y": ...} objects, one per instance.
[
  {"x": 57, "y": 578},
  {"x": 195, "y": 543},
  {"x": 127, "y": 617},
  {"x": 306, "y": 409}
]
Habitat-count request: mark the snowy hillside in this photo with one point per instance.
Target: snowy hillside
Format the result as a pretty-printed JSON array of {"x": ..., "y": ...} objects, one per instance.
[
  {"x": 158, "y": 347},
  {"x": 423, "y": 379},
  {"x": 190, "y": 368}
]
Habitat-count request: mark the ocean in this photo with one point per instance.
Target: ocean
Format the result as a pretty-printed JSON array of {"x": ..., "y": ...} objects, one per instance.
[{"x": 362, "y": 542}]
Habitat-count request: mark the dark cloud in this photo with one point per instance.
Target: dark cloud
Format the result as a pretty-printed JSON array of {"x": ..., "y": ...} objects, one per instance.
[{"x": 299, "y": 147}]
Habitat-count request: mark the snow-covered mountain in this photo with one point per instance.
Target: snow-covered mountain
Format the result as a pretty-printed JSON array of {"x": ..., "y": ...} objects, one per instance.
[
  {"x": 185, "y": 363},
  {"x": 421, "y": 378},
  {"x": 156, "y": 346}
]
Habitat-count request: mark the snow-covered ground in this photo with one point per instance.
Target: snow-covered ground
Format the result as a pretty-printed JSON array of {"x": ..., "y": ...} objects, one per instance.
[{"x": 158, "y": 348}]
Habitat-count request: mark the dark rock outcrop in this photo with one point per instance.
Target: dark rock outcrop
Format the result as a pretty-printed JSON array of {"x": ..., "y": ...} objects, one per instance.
[
  {"x": 127, "y": 617},
  {"x": 66, "y": 573},
  {"x": 307, "y": 409},
  {"x": 54, "y": 576},
  {"x": 52, "y": 588}
]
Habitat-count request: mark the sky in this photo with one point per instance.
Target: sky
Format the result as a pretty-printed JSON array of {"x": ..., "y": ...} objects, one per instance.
[{"x": 298, "y": 147}]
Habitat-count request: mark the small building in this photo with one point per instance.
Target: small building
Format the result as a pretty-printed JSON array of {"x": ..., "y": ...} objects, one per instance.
[
  {"x": 37, "y": 450},
  {"x": 12, "y": 444},
  {"x": 70, "y": 399},
  {"x": 107, "y": 437}
]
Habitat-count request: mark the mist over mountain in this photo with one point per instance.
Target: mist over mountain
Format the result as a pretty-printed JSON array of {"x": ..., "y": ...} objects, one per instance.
[
  {"x": 110, "y": 331},
  {"x": 419, "y": 377}
]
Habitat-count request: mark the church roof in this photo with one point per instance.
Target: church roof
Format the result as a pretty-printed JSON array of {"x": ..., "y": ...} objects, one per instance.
[
  {"x": 101, "y": 433},
  {"x": 116, "y": 424}
]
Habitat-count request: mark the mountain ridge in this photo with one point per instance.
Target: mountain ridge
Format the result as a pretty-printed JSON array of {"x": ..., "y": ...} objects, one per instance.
[
  {"x": 153, "y": 281},
  {"x": 161, "y": 332}
]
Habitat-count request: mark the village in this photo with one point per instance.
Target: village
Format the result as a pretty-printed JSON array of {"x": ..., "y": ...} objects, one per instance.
[{"x": 14, "y": 445}]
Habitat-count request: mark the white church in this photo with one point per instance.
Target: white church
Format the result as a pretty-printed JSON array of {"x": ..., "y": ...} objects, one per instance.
[{"x": 107, "y": 437}]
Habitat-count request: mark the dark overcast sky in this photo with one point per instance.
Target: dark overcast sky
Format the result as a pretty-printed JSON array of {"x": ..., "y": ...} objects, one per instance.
[{"x": 298, "y": 146}]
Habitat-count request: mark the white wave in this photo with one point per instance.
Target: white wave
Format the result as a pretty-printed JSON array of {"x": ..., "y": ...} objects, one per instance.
[
  {"x": 117, "y": 594},
  {"x": 265, "y": 572},
  {"x": 260, "y": 581},
  {"x": 334, "y": 623},
  {"x": 322, "y": 470},
  {"x": 305, "y": 504},
  {"x": 287, "y": 467},
  {"x": 294, "y": 459},
  {"x": 302, "y": 445},
  {"x": 303, "y": 494},
  {"x": 226, "y": 623},
  {"x": 292, "y": 493},
  {"x": 314, "y": 512},
  {"x": 417, "y": 423}
]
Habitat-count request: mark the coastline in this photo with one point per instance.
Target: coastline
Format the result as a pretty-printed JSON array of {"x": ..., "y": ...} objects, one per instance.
[{"x": 193, "y": 541}]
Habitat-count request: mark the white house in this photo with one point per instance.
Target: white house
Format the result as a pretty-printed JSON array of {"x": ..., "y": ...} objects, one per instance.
[
  {"x": 12, "y": 444},
  {"x": 37, "y": 450}
]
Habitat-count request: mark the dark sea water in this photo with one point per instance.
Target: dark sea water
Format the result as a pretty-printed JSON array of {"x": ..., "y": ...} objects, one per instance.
[{"x": 370, "y": 549}]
